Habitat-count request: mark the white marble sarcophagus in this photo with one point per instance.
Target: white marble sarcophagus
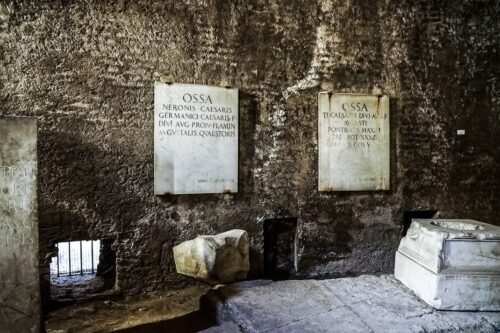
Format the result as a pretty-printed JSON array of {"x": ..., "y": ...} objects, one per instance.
[{"x": 452, "y": 264}]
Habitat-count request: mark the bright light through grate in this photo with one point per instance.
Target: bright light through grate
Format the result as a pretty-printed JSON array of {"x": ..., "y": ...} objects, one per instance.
[{"x": 78, "y": 257}]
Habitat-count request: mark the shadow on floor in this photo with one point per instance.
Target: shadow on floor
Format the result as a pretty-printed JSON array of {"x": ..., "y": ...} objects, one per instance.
[{"x": 190, "y": 323}]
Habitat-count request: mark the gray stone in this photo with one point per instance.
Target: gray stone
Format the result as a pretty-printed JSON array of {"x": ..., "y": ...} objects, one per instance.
[
  {"x": 452, "y": 264},
  {"x": 337, "y": 320},
  {"x": 226, "y": 327},
  {"x": 363, "y": 304},
  {"x": 221, "y": 258},
  {"x": 353, "y": 142},
  {"x": 19, "y": 277},
  {"x": 196, "y": 139}
]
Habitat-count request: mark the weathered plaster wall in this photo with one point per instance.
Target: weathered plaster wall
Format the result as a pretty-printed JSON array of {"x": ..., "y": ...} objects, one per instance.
[{"x": 86, "y": 69}]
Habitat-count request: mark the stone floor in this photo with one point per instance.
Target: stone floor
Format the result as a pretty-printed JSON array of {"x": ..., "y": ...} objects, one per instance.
[
  {"x": 363, "y": 304},
  {"x": 67, "y": 289},
  {"x": 175, "y": 311}
]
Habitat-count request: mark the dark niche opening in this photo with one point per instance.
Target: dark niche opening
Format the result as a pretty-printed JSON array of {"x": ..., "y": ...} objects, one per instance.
[
  {"x": 82, "y": 270},
  {"x": 415, "y": 214},
  {"x": 280, "y": 247}
]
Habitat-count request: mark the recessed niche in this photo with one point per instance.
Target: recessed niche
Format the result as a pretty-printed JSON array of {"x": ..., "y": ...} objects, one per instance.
[{"x": 280, "y": 248}]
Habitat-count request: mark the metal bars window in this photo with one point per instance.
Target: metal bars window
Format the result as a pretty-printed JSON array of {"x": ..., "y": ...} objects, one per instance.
[{"x": 76, "y": 258}]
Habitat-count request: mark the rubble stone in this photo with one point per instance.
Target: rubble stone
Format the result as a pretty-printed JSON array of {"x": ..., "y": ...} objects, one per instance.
[{"x": 221, "y": 258}]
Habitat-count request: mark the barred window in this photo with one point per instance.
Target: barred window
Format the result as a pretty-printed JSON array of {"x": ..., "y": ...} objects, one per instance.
[{"x": 76, "y": 257}]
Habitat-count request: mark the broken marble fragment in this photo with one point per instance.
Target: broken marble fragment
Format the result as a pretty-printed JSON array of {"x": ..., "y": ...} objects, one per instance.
[{"x": 221, "y": 258}]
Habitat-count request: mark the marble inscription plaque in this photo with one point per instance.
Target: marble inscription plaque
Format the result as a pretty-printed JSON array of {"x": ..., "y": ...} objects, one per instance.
[
  {"x": 19, "y": 277},
  {"x": 196, "y": 139},
  {"x": 353, "y": 142}
]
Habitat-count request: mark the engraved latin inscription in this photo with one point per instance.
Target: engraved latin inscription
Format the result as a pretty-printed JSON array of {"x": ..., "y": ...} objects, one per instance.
[
  {"x": 353, "y": 142},
  {"x": 196, "y": 139},
  {"x": 16, "y": 205},
  {"x": 19, "y": 276}
]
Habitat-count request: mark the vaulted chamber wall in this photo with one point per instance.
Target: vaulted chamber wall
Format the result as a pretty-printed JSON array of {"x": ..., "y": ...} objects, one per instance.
[{"x": 86, "y": 70}]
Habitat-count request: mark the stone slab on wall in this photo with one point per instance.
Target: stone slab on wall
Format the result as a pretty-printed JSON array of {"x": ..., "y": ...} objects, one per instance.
[
  {"x": 19, "y": 278},
  {"x": 353, "y": 142},
  {"x": 196, "y": 139}
]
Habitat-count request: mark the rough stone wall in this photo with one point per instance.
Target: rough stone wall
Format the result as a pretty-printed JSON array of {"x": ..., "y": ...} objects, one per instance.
[{"x": 86, "y": 69}]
